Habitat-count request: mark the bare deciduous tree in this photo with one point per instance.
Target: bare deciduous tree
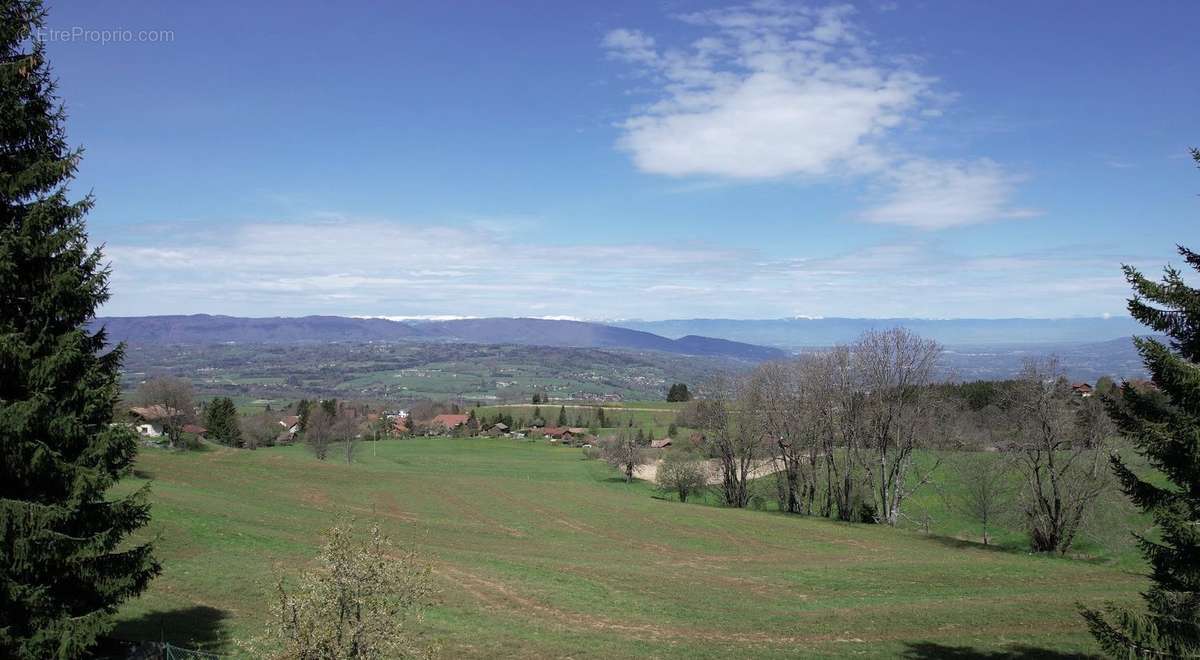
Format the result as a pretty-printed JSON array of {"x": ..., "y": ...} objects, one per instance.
[
  {"x": 787, "y": 398},
  {"x": 733, "y": 436},
  {"x": 318, "y": 433},
  {"x": 839, "y": 415},
  {"x": 896, "y": 368},
  {"x": 1063, "y": 477},
  {"x": 682, "y": 473},
  {"x": 623, "y": 452},
  {"x": 345, "y": 430},
  {"x": 1092, "y": 423},
  {"x": 259, "y": 430},
  {"x": 172, "y": 400},
  {"x": 982, "y": 491}
]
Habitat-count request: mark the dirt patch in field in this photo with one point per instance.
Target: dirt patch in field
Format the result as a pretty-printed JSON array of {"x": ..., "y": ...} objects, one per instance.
[
  {"x": 649, "y": 472},
  {"x": 389, "y": 507},
  {"x": 315, "y": 497}
]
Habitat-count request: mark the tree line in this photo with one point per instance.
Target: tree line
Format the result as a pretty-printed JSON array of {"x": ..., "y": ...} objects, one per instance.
[{"x": 853, "y": 432}]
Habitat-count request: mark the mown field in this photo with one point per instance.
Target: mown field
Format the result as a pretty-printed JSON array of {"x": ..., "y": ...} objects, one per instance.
[{"x": 539, "y": 553}]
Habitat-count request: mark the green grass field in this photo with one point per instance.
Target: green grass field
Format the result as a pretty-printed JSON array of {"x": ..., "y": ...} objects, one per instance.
[{"x": 539, "y": 553}]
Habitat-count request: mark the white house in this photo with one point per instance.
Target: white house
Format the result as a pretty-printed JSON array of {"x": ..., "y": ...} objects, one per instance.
[{"x": 150, "y": 430}]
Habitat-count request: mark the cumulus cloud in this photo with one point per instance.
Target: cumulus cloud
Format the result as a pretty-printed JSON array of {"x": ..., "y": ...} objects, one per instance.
[
  {"x": 772, "y": 90},
  {"x": 775, "y": 90},
  {"x": 928, "y": 194}
]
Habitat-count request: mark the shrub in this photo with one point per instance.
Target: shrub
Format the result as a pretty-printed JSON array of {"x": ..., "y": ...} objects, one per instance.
[
  {"x": 683, "y": 473},
  {"x": 365, "y": 600}
]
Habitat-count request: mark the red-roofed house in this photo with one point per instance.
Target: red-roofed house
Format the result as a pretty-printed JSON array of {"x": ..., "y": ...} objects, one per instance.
[{"x": 449, "y": 422}]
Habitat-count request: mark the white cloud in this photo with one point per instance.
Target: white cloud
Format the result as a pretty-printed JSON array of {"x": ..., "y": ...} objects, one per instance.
[
  {"x": 630, "y": 46},
  {"x": 772, "y": 91},
  {"x": 377, "y": 267},
  {"x": 420, "y": 270},
  {"x": 775, "y": 90},
  {"x": 928, "y": 194}
]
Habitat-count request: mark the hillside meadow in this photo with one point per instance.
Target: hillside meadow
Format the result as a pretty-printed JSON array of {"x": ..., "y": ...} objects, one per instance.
[{"x": 539, "y": 553}]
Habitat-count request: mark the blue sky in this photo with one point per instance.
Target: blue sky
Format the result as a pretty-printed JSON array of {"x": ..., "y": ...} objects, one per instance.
[{"x": 632, "y": 160}]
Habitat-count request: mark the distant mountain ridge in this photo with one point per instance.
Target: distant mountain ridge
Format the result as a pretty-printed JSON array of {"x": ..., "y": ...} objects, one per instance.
[
  {"x": 209, "y": 329},
  {"x": 792, "y": 333}
]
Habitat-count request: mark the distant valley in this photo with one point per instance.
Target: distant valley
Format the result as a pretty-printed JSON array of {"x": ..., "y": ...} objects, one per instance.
[{"x": 507, "y": 359}]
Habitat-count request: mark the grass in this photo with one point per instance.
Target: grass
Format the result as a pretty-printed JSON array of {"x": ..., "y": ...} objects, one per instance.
[{"x": 541, "y": 554}]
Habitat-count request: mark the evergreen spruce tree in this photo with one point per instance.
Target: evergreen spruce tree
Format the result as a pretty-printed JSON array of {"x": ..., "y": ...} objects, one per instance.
[
  {"x": 302, "y": 411},
  {"x": 222, "y": 422},
  {"x": 1165, "y": 427},
  {"x": 562, "y": 416},
  {"x": 679, "y": 392},
  {"x": 65, "y": 560}
]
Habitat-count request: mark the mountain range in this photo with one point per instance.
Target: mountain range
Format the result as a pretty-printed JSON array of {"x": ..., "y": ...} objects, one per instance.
[
  {"x": 207, "y": 329},
  {"x": 795, "y": 333}
]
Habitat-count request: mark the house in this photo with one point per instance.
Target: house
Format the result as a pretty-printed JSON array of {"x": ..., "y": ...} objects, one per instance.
[
  {"x": 449, "y": 422},
  {"x": 285, "y": 438},
  {"x": 291, "y": 424},
  {"x": 149, "y": 429},
  {"x": 150, "y": 419},
  {"x": 498, "y": 429},
  {"x": 195, "y": 430},
  {"x": 660, "y": 444},
  {"x": 1082, "y": 389}
]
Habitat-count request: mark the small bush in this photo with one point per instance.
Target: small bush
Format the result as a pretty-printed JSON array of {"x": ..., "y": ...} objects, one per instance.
[
  {"x": 365, "y": 599},
  {"x": 682, "y": 473}
]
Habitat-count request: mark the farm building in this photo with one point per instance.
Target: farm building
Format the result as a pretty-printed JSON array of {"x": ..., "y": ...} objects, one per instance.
[
  {"x": 660, "y": 444},
  {"x": 149, "y": 419},
  {"x": 449, "y": 422}
]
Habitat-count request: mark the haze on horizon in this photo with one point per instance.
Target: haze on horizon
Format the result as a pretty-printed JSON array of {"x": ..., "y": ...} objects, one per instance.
[{"x": 633, "y": 160}]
